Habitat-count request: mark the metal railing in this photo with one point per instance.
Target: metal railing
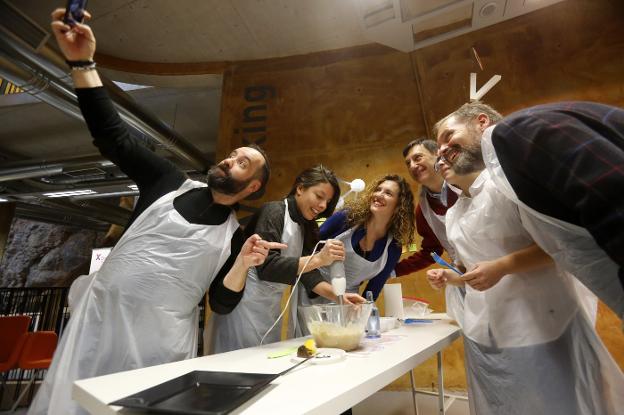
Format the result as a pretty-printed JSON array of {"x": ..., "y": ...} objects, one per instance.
[
  {"x": 48, "y": 310},
  {"x": 46, "y": 306}
]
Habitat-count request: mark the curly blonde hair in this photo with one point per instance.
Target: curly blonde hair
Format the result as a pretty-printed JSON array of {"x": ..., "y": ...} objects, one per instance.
[{"x": 402, "y": 224}]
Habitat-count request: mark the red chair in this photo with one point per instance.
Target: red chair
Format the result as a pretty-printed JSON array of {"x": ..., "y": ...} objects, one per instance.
[
  {"x": 36, "y": 355},
  {"x": 13, "y": 330}
]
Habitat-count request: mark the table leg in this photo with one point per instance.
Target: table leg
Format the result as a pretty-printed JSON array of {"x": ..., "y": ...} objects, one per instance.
[
  {"x": 414, "y": 392},
  {"x": 30, "y": 382},
  {"x": 441, "y": 409}
]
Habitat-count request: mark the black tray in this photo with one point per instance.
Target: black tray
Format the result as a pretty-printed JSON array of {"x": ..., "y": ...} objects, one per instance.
[{"x": 199, "y": 392}]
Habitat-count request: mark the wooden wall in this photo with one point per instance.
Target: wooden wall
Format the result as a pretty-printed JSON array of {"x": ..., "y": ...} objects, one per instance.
[
  {"x": 354, "y": 109},
  {"x": 573, "y": 50},
  {"x": 351, "y": 110}
]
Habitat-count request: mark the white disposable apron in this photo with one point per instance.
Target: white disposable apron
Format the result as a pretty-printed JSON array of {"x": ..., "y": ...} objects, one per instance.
[
  {"x": 357, "y": 268},
  {"x": 436, "y": 222},
  {"x": 521, "y": 309},
  {"x": 528, "y": 347},
  {"x": 572, "y": 247},
  {"x": 260, "y": 305},
  {"x": 140, "y": 308}
]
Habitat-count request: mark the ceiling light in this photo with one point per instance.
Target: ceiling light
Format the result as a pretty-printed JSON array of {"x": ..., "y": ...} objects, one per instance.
[
  {"x": 130, "y": 87},
  {"x": 133, "y": 187},
  {"x": 3, "y": 200},
  {"x": 70, "y": 193}
]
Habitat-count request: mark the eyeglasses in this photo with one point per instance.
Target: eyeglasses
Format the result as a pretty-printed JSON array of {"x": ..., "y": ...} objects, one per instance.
[{"x": 439, "y": 162}]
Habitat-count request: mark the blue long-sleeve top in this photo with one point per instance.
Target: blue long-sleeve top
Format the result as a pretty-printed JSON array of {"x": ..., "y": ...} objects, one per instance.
[{"x": 337, "y": 224}]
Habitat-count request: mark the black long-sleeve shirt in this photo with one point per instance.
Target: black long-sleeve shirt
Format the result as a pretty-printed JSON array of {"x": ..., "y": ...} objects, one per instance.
[{"x": 156, "y": 176}]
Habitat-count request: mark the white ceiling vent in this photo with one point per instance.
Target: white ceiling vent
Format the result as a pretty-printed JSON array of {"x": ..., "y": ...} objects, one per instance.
[
  {"x": 407, "y": 25},
  {"x": 488, "y": 9}
]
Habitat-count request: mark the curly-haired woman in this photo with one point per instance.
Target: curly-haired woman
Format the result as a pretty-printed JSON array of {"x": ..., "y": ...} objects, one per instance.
[{"x": 373, "y": 228}]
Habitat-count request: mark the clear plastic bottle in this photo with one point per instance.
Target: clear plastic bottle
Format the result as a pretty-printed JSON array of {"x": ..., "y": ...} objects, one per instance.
[{"x": 372, "y": 327}]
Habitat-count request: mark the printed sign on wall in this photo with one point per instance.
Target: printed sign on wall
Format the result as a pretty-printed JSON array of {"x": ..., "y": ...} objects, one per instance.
[{"x": 97, "y": 258}]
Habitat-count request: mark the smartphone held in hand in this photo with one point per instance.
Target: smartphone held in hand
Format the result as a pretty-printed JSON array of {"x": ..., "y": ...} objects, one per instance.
[{"x": 74, "y": 12}]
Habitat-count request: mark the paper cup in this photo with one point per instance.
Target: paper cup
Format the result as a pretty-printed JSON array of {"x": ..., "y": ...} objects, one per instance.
[{"x": 393, "y": 300}]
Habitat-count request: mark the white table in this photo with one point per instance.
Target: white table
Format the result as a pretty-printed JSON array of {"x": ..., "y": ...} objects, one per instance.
[{"x": 309, "y": 389}]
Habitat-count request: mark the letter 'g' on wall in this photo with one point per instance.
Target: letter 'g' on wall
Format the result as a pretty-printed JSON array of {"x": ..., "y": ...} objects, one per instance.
[
  {"x": 254, "y": 116},
  {"x": 259, "y": 93}
]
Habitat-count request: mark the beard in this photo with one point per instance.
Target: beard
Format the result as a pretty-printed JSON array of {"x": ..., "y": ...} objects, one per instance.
[
  {"x": 225, "y": 183},
  {"x": 469, "y": 158}
]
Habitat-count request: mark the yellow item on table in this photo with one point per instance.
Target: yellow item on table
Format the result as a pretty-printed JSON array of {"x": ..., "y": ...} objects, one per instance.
[{"x": 308, "y": 349}]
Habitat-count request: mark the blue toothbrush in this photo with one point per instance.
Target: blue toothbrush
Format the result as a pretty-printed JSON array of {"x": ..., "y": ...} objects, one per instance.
[
  {"x": 417, "y": 320},
  {"x": 442, "y": 262}
]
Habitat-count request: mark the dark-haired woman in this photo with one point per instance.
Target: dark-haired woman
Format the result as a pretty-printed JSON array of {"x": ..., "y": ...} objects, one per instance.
[
  {"x": 373, "y": 229},
  {"x": 292, "y": 221}
]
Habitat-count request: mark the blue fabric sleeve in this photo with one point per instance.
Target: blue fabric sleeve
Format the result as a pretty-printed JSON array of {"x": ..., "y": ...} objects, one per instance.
[
  {"x": 334, "y": 225},
  {"x": 376, "y": 283}
]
